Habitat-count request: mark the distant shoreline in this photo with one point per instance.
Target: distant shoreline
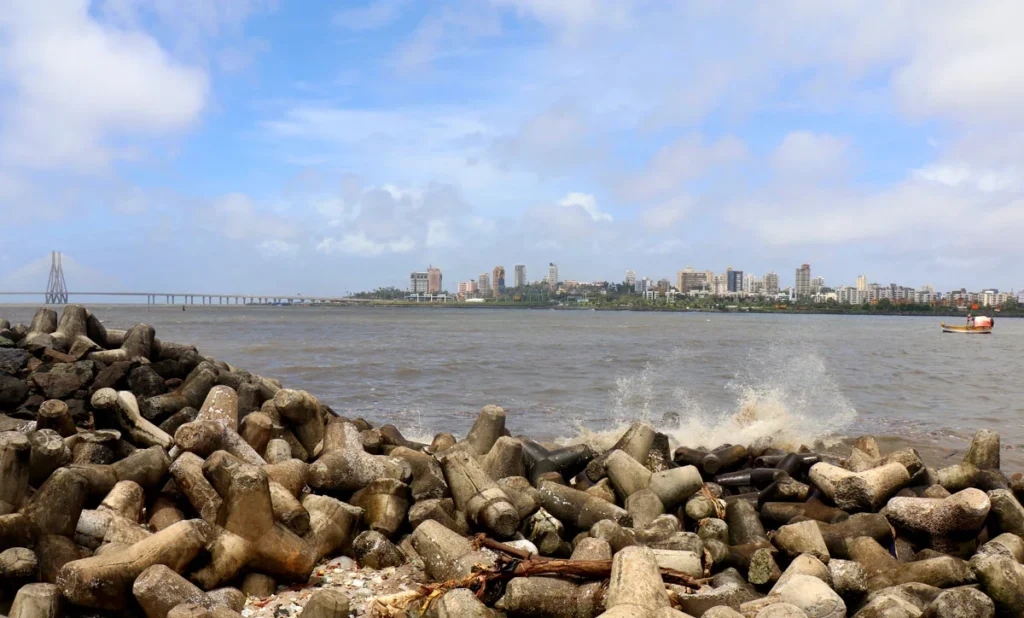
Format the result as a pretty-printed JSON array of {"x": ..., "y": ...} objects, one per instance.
[{"x": 548, "y": 307}]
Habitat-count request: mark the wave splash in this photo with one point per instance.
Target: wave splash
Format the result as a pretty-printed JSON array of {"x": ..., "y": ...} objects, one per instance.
[{"x": 782, "y": 396}]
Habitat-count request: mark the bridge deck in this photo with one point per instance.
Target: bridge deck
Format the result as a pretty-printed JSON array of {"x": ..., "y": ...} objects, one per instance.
[{"x": 207, "y": 298}]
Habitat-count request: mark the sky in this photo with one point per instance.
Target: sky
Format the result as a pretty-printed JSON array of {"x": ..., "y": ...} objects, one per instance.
[{"x": 254, "y": 146}]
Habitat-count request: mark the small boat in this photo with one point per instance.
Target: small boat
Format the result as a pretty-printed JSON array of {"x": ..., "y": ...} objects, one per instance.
[{"x": 967, "y": 330}]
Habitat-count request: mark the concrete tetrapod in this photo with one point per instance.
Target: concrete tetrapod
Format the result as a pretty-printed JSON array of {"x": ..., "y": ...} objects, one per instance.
[
  {"x": 550, "y": 597},
  {"x": 104, "y": 581},
  {"x": 962, "y": 512},
  {"x": 344, "y": 465},
  {"x": 446, "y": 554},
  {"x": 485, "y": 504},
  {"x": 866, "y": 490}
]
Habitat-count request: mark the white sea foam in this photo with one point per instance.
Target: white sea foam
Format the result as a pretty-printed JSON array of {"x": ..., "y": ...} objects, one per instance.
[{"x": 780, "y": 396}]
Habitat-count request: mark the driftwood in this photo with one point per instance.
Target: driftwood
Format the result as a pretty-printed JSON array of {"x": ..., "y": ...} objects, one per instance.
[{"x": 521, "y": 564}]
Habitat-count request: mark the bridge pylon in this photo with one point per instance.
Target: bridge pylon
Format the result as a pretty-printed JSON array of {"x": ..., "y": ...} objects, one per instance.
[{"x": 56, "y": 287}]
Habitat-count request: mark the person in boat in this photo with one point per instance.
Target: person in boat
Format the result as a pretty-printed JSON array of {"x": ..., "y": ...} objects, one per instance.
[{"x": 970, "y": 321}]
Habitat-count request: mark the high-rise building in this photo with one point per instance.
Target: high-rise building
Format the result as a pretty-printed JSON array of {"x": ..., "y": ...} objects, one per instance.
[
  {"x": 484, "y": 286},
  {"x": 499, "y": 281},
  {"x": 419, "y": 283},
  {"x": 719, "y": 285},
  {"x": 817, "y": 284},
  {"x": 467, "y": 288},
  {"x": 749, "y": 283},
  {"x": 734, "y": 280},
  {"x": 520, "y": 275},
  {"x": 630, "y": 277},
  {"x": 689, "y": 280},
  {"x": 552, "y": 276},
  {"x": 642, "y": 285},
  {"x": 862, "y": 283},
  {"x": 771, "y": 283},
  {"x": 433, "y": 280},
  {"x": 802, "y": 289}
]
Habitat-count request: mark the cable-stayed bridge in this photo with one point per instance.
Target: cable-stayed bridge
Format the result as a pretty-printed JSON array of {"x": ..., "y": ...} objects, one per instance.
[{"x": 57, "y": 293}]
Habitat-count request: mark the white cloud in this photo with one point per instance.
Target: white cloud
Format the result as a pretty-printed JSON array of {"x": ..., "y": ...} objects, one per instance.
[
  {"x": 236, "y": 217},
  {"x": 812, "y": 155},
  {"x": 439, "y": 234},
  {"x": 675, "y": 164},
  {"x": 277, "y": 248},
  {"x": 77, "y": 88},
  {"x": 665, "y": 247},
  {"x": 374, "y": 15},
  {"x": 666, "y": 214},
  {"x": 964, "y": 175},
  {"x": 586, "y": 202},
  {"x": 572, "y": 16},
  {"x": 445, "y": 33},
  {"x": 360, "y": 245}
]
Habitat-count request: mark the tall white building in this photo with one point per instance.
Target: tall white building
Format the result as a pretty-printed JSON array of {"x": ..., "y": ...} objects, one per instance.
[
  {"x": 484, "y": 285},
  {"x": 720, "y": 285},
  {"x": 552, "y": 275},
  {"x": 520, "y": 276},
  {"x": 862, "y": 283},
  {"x": 802, "y": 289},
  {"x": 749, "y": 284},
  {"x": 631, "y": 277},
  {"x": 771, "y": 283},
  {"x": 419, "y": 282}
]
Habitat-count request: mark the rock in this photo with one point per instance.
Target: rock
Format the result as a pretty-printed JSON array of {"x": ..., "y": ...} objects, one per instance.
[
  {"x": 12, "y": 391},
  {"x": 866, "y": 490},
  {"x": 1007, "y": 514},
  {"x": 964, "y": 511},
  {"x": 462, "y": 603},
  {"x": 489, "y": 426},
  {"x": 984, "y": 450},
  {"x": 1002, "y": 579},
  {"x": 811, "y": 595},
  {"x": 17, "y": 563},
  {"x": 326, "y": 603},
  {"x": 13, "y": 360},
  {"x": 63, "y": 379},
  {"x": 960, "y": 603},
  {"x": 636, "y": 582},
  {"x": 674, "y": 486},
  {"x": 505, "y": 459},
  {"x": 802, "y": 538},
  {"x": 144, "y": 381},
  {"x": 37, "y": 601},
  {"x": 849, "y": 578},
  {"x": 372, "y": 549},
  {"x": 713, "y": 528},
  {"x": 628, "y": 475},
  {"x": 446, "y": 554},
  {"x": 644, "y": 506},
  {"x": 781, "y": 610}
]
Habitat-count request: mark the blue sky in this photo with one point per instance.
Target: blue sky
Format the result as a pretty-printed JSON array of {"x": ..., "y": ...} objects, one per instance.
[{"x": 318, "y": 147}]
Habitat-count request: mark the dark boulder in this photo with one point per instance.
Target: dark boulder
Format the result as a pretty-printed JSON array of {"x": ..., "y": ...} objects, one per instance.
[
  {"x": 112, "y": 376},
  {"x": 63, "y": 379},
  {"x": 12, "y": 392},
  {"x": 144, "y": 381},
  {"x": 12, "y": 360}
]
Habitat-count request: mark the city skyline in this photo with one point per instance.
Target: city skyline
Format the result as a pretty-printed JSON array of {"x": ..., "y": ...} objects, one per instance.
[
  {"x": 323, "y": 147},
  {"x": 730, "y": 281}
]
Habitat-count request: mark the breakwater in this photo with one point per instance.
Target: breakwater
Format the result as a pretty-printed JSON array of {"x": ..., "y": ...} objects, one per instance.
[{"x": 139, "y": 476}]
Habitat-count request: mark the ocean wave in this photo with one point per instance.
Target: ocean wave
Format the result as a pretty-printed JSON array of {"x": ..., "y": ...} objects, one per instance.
[{"x": 782, "y": 396}]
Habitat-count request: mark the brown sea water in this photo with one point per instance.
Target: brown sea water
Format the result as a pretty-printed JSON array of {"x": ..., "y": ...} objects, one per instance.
[{"x": 703, "y": 378}]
